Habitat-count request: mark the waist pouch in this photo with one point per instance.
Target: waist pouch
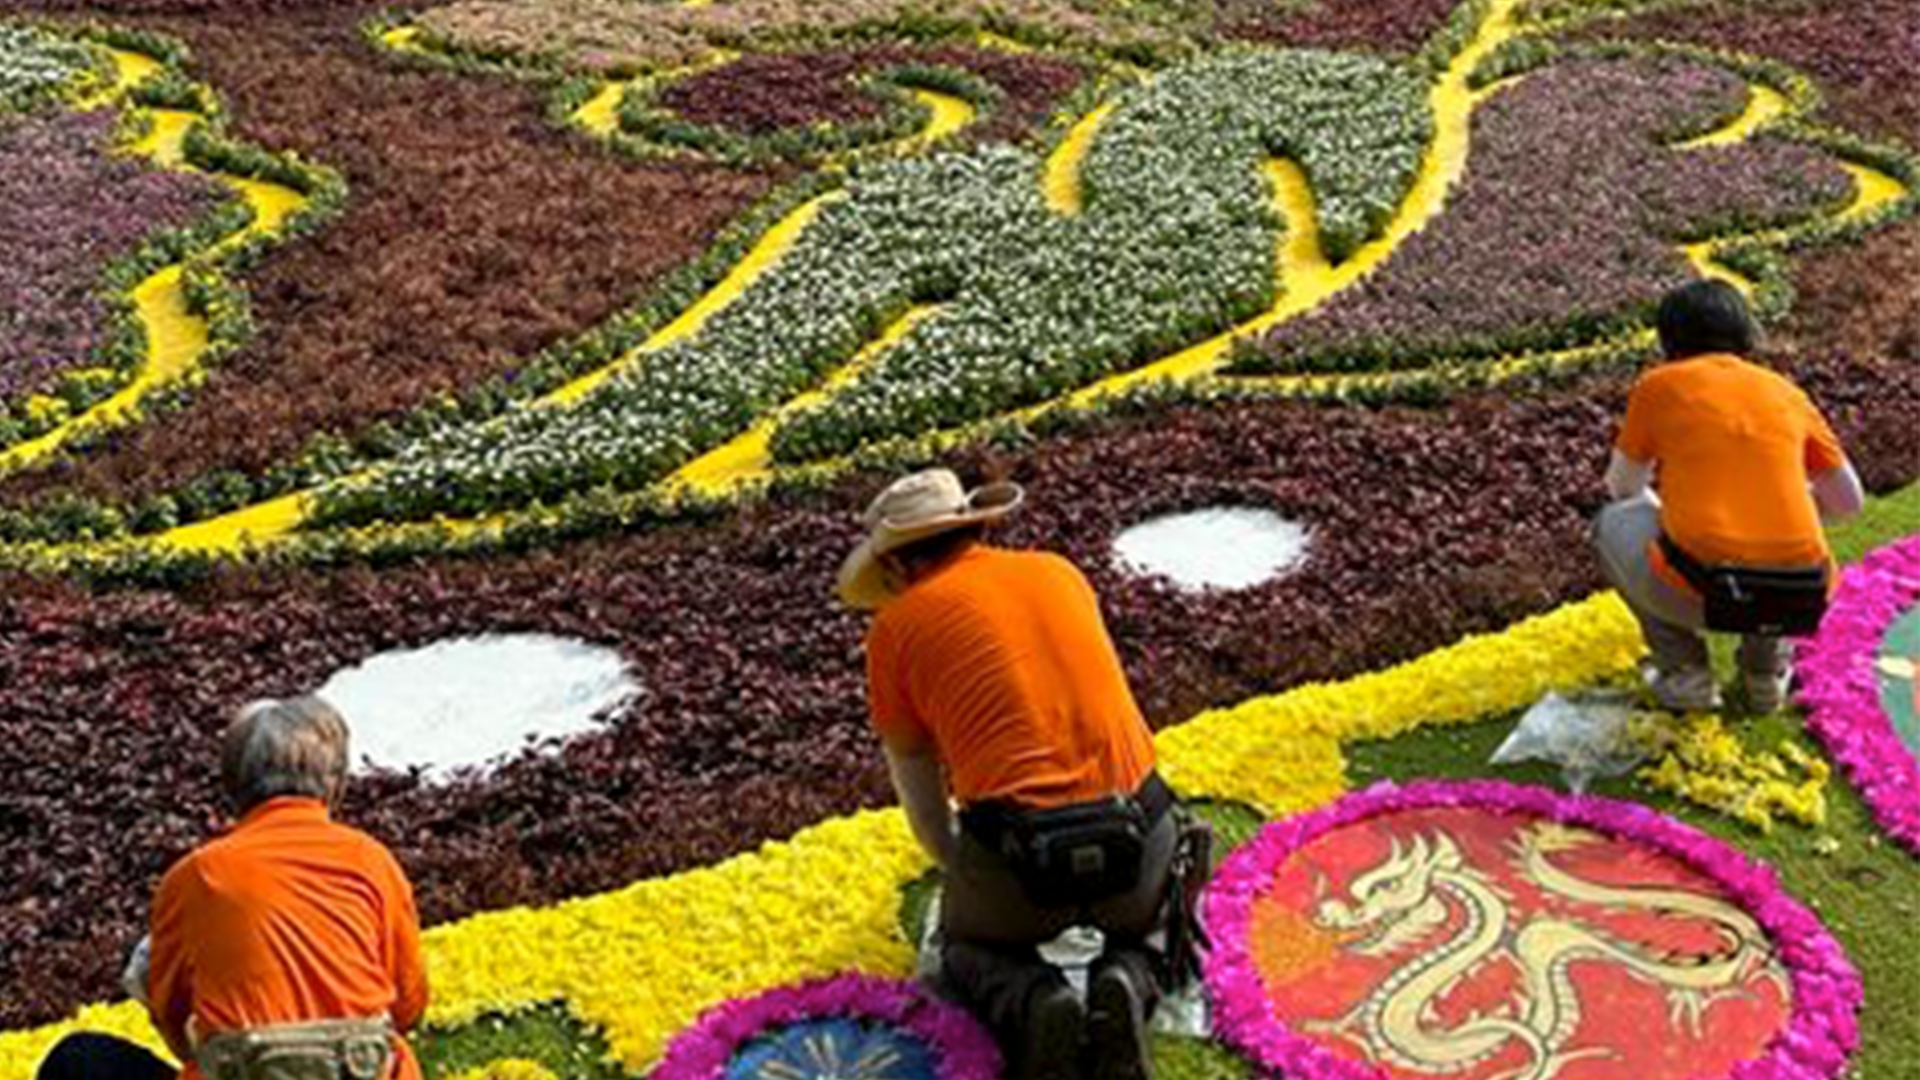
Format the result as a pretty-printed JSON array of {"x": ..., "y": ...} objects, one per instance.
[
  {"x": 1073, "y": 856},
  {"x": 1743, "y": 600},
  {"x": 321, "y": 1050}
]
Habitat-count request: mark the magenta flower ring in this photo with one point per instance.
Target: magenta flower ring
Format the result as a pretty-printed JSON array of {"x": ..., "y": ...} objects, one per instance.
[
  {"x": 1846, "y": 684},
  {"x": 851, "y": 1027},
  {"x": 1480, "y": 930}
]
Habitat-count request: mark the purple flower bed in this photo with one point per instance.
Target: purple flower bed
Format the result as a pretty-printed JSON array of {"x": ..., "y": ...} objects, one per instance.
[
  {"x": 763, "y": 94},
  {"x": 69, "y": 207},
  {"x": 1384, "y": 26},
  {"x": 1863, "y": 54},
  {"x": 1566, "y": 224}
]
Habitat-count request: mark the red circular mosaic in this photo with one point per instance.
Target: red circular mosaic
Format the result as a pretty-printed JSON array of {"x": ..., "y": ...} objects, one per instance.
[{"x": 1467, "y": 944}]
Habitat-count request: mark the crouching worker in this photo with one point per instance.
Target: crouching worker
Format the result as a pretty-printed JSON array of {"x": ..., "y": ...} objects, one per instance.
[
  {"x": 1746, "y": 470},
  {"x": 287, "y": 949},
  {"x": 993, "y": 683}
]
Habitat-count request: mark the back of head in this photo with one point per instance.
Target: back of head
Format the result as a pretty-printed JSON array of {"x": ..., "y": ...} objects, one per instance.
[
  {"x": 276, "y": 749},
  {"x": 1703, "y": 317}
]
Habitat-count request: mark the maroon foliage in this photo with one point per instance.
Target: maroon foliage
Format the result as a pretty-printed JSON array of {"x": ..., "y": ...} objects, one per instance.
[{"x": 762, "y": 94}]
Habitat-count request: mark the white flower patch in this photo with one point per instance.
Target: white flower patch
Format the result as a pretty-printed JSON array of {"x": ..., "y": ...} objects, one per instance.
[
  {"x": 32, "y": 62},
  {"x": 1175, "y": 243},
  {"x": 1217, "y": 548},
  {"x": 469, "y": 702}
]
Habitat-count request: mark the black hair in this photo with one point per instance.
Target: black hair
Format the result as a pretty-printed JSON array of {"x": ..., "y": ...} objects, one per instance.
[
  {"x": 939, "y": 547},
  {"x": 1705, "y": 317}
]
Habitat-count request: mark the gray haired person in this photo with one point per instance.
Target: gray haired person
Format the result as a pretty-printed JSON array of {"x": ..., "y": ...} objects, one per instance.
[{"x": 287, "y": 909}]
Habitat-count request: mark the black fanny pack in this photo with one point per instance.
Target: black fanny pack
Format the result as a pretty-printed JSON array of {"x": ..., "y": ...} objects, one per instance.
[
  {"x": 1077, "y": 855},
  {"x": 1742, "y": 600}
]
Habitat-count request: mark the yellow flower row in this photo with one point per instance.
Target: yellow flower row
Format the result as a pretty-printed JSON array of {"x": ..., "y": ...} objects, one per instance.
[{"x": 642, "y": 962}]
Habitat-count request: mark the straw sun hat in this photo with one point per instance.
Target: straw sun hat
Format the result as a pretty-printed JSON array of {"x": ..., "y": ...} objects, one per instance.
[{"x": 915, "y": 508}]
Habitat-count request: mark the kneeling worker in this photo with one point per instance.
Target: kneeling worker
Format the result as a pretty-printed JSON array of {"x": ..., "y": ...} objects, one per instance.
[
  {"x": 1746, "y": 469},
  {"x": 993, "y": 683},
  {"x": 285, "y": 950}
]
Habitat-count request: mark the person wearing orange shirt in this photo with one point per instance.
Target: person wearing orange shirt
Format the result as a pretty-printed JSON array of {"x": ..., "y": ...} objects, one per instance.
[
  {"x": 291, "y": 943},
  {"x": 993, "y": 684},
  {"x": 1723, "y": 474}
]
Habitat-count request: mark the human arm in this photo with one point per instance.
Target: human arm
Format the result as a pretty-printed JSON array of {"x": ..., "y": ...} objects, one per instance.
[
  {"x": 404, "y": 956},
  {"x": 1835, "y": 485},
  {"x": 913, "y": 758},
  {"x": 1628, "y": 478},
  {"x": 921, "y": 783},
  {"x": 1838, "y": 494},
  {"x": 169, "y": 965},
  {"x": 1630, "y": 468}
]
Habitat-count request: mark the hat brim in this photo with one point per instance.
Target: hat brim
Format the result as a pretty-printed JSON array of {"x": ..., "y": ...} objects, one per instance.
[{"x": 863, "y": 581}]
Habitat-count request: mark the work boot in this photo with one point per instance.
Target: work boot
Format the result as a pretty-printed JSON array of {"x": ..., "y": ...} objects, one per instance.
[
  {"x": 1684, "y": 690},
  {"x": 1052, "y": 1033},
  {"x": 1766, "y": 691},
  {"x": 1119, "y": 999}
]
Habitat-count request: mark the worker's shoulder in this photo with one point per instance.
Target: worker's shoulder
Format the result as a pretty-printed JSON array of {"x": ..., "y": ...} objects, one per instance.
[{"x": 326, "y": 839}]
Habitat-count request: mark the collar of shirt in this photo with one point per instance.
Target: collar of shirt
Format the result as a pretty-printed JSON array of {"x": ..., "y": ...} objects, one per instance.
[{"x": 285, "y": 808}]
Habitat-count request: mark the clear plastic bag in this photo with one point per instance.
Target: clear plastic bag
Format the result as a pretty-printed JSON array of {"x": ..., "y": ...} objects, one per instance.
[{"x": 1588, "y": 736}]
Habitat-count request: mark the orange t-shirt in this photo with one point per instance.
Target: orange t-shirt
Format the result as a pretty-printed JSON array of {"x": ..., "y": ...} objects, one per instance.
[
  {"x": 1001, "y": 661},
  {"x": 1735, "y": 446},
  {"x": 288, "y": 918}
]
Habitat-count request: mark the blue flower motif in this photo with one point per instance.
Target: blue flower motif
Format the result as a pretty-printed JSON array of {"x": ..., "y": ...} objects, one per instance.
[{"x": 834, "y": 1050}]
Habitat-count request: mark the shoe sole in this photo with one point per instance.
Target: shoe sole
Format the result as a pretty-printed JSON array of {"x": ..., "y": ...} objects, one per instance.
[{"x": 1117, "y": 1032}]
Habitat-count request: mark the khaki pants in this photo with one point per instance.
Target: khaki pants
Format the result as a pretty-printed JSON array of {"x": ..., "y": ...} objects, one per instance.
[
  {"x": 1671, "y": 619},
  {"x": 991, "y": 931}
]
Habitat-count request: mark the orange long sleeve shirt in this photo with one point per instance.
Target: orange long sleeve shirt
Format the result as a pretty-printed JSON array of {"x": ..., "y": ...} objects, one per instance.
[{"x": 288, "y": 918}]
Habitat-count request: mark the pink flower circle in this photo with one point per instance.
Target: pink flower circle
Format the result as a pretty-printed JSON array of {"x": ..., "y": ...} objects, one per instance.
[
  {"x": 1840, "y": 686},
  {"x": 960, "y": 1046},
  {"x": 1820, "y": 1032}
]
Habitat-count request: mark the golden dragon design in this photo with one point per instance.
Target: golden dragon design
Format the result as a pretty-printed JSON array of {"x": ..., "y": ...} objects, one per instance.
[{"x": 1398, "y": 906}]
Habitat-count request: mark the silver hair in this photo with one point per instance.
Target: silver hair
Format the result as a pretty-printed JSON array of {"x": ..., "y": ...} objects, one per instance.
[{"x": 297, "y": 747}]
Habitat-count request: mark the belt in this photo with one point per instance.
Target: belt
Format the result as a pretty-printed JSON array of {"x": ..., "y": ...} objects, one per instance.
[
  {"x": 1701, "y": 576},
  {"x": 989, "y": 821}
]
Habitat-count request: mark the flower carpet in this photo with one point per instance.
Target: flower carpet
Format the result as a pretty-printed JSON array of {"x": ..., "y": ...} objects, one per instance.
[{"x": 338, "y": 330}]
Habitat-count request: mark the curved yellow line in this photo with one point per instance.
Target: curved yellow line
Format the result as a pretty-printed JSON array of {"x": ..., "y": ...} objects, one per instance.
[
  {"x": 1060, "y": 181},
  {"x": 600, "y": 116},
  {"x": 759, "y": 259},
  {"x": 177, "y": 338},
  {"x": 1873, "y": 190},
  {"x": 751, "y": 454},
  {"x": 947, "y": 116},
  {"x": 1765, "y": 106}
]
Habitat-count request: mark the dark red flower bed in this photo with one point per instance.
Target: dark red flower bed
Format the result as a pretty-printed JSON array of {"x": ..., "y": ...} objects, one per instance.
[
  {"x": 1428, "y": 526},
  {"x": 68, "y": 208},
  {"x": 763, "y": 94},
  {"x": 1863, "y": 54},
  {"x": 475, "y": 234},
  {"x": 1566, "y": 224}
]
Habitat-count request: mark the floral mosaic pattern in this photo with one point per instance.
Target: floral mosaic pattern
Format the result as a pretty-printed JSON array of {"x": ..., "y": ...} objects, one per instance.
[{"x": 1256, "y": 943}]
